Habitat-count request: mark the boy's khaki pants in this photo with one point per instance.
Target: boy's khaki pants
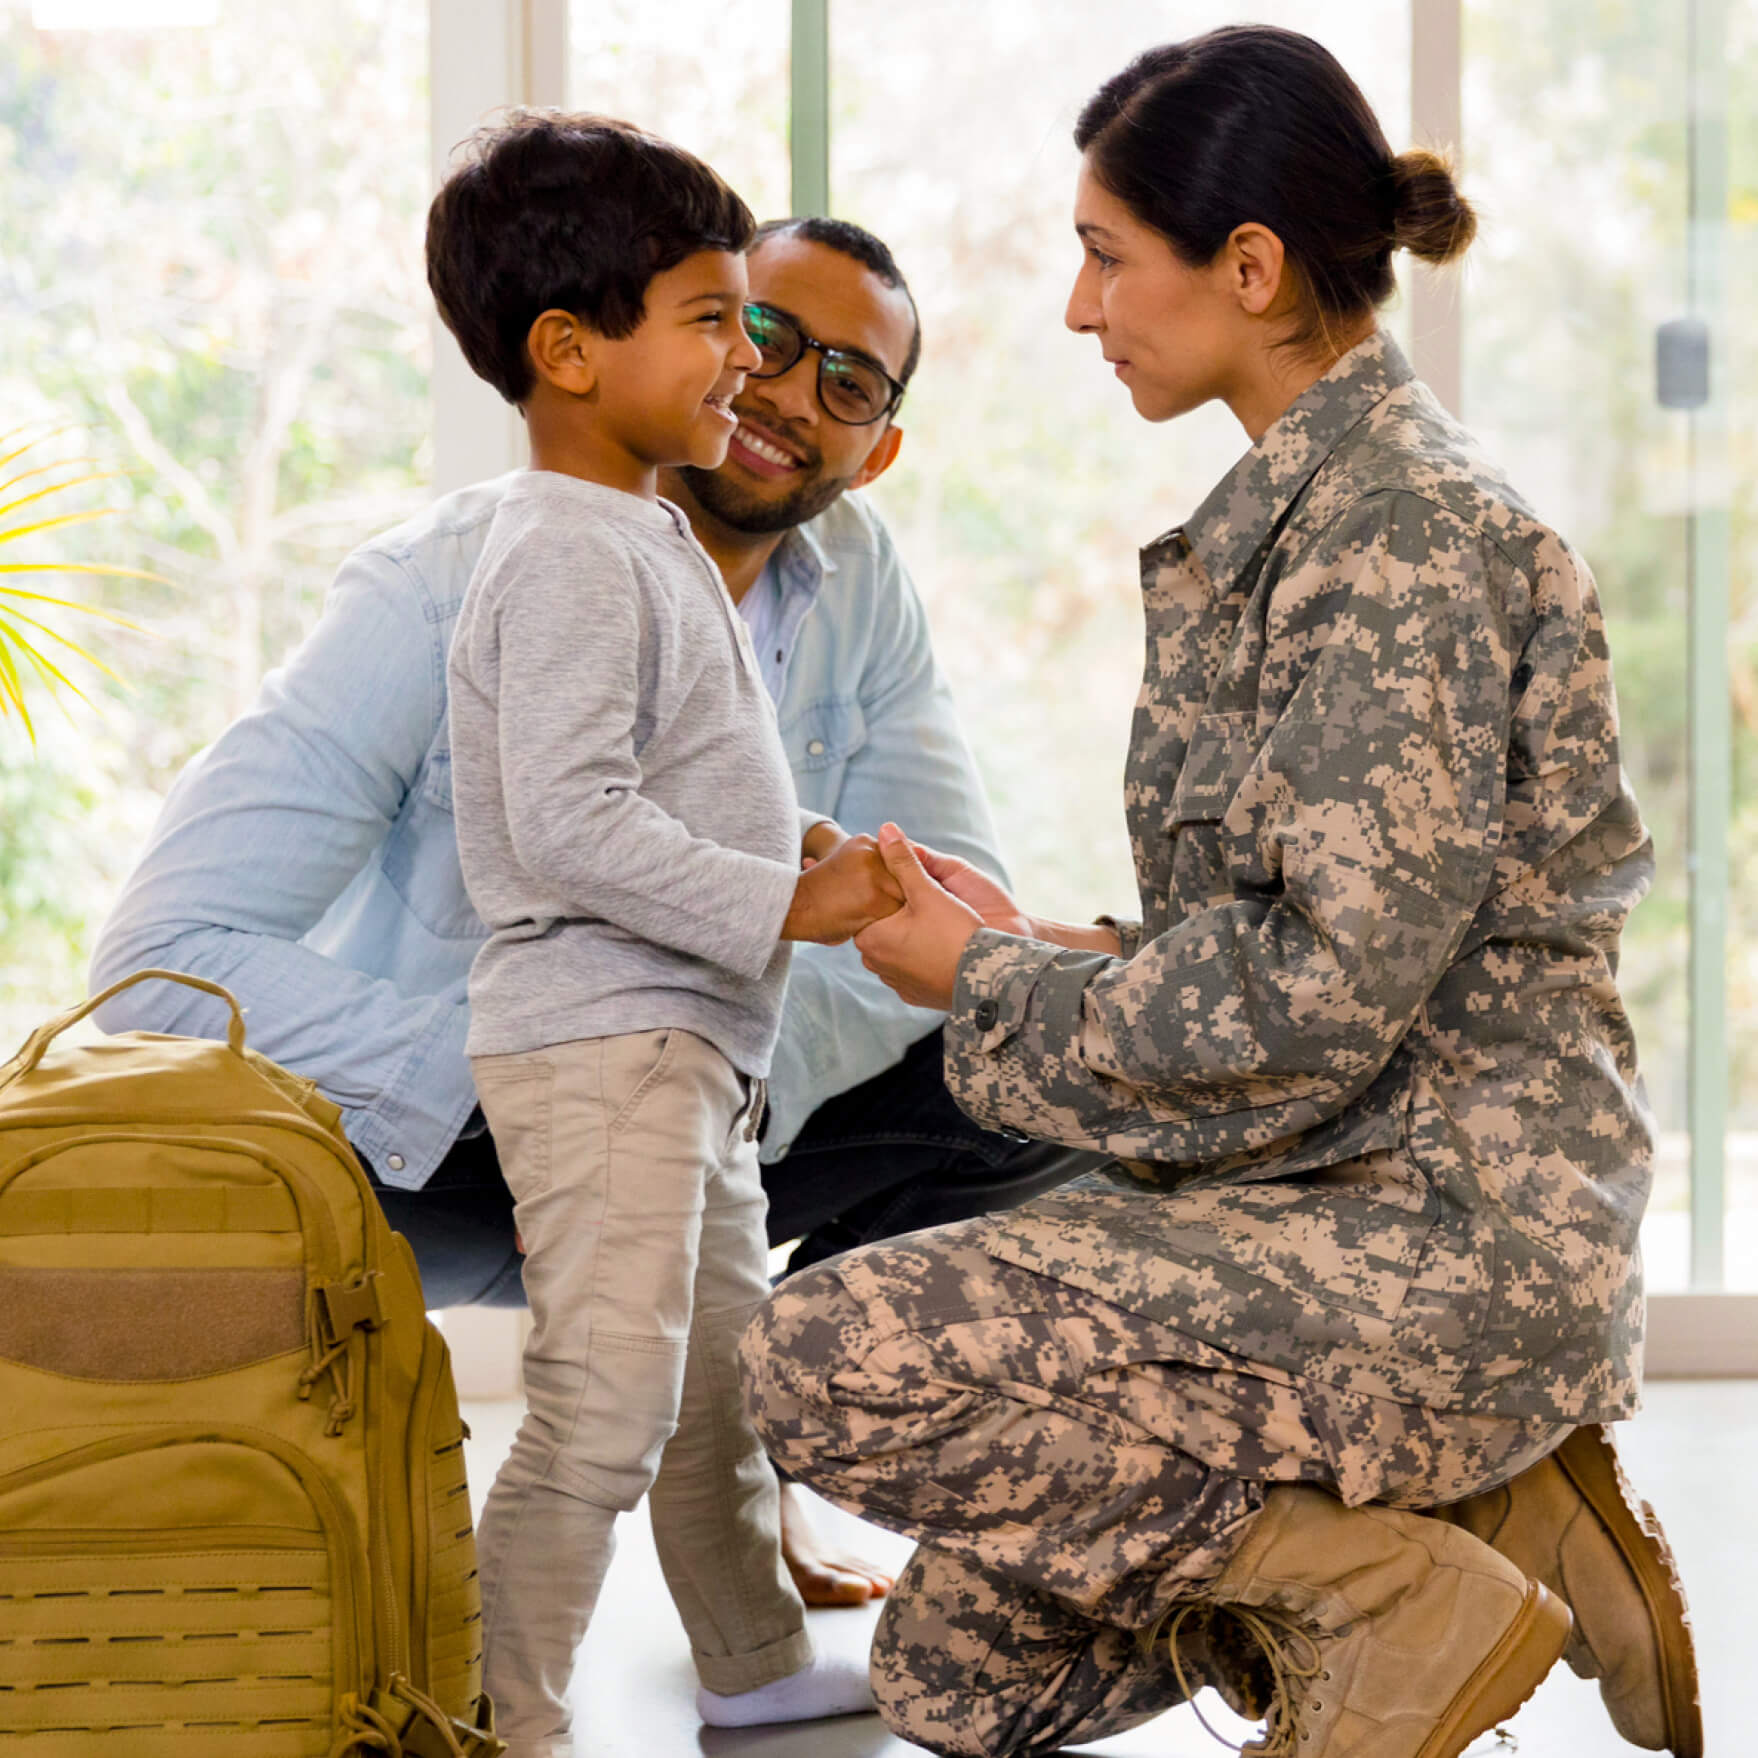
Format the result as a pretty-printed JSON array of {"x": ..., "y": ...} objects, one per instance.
[{"x": 639, "y": 1200}]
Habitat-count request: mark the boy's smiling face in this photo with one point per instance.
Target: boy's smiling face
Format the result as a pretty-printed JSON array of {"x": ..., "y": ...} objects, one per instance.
[
  {"x": 616, "y": 410},
  {"x": 669, "y": 386}
]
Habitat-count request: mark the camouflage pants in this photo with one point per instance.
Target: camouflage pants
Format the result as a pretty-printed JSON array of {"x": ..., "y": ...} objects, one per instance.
[{"x": 1070, "y": 1470}]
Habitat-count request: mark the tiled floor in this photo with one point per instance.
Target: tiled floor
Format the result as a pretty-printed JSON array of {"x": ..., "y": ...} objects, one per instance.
[{"x": 1693, "y": 1452}]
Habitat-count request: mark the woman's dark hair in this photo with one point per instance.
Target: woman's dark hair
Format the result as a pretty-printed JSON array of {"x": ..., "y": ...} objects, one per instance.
[
  {"x": 1251, "y": 123},
  {"x": 575, "y": 213}
]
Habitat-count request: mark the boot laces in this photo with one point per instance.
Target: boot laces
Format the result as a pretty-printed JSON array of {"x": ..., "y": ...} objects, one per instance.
[
  {"x": 1293, "y": 1658},
  {"x": 1295, "y": 1663}
]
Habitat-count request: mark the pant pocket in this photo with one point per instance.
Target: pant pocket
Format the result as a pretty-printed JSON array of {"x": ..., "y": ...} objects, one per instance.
[
  {"x": 633, "y": 1067},
  {"x": 628, "y": 1411},
  {"x": 517, "y": 1099}
]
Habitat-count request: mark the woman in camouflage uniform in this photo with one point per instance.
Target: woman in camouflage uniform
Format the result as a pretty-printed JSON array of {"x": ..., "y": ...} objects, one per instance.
[{"x": 1369, "y": 1241}]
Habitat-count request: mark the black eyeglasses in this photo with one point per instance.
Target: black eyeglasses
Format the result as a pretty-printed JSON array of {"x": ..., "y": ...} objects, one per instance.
[{"x": 851, "y": 388}]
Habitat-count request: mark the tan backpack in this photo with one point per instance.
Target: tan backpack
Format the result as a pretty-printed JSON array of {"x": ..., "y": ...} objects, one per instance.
[{"x": 233, "y": 1516}]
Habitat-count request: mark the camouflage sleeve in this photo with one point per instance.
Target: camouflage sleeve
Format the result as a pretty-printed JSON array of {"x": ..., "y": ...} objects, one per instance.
[
  {"x": 1357, "y": 846},
  {"x": 1128, "y": 933}
]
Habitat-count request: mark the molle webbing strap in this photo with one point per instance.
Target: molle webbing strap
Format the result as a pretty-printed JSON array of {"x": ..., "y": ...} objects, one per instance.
[{"x": 227, "y": 1209}]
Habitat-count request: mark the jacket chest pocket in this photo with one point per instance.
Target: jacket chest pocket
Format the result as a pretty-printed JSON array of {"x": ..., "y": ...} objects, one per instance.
[
  {"x": 421, "y": 856},
  {"x": 1222, "y": 749}
]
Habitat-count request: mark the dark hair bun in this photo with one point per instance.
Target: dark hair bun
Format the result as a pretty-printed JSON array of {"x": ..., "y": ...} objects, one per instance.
[{"x": 1430, "y": 218}]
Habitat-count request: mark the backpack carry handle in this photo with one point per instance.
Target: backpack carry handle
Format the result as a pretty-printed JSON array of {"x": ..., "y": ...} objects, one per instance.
[{"x": 31, "y": 1051}]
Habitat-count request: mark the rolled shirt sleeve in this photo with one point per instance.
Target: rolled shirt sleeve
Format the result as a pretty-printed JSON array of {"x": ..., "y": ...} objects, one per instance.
[
  {"x": 1358, "y": 845},
  {"x": 260, "y": 836}
]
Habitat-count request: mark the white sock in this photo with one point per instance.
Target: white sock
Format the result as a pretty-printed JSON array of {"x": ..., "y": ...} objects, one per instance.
[{"x": 832, "y": 1684}]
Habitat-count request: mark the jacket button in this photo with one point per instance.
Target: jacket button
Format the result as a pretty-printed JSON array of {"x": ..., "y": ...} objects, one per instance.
[
  {"x": 395, "y": 1162},
  {"x": 986, "y": 1015},
  {"x": 816, "y": 748}
]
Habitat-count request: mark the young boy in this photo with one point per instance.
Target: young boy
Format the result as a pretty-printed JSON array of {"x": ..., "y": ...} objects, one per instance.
[{"x": 629, "y": 834}]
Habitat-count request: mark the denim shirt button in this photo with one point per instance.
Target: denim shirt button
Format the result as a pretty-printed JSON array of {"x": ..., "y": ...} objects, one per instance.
[
  {"x": 816, "y": 748},
  {"x": 986, "y": 1015},
  {"x": 395, "y": 1162}
]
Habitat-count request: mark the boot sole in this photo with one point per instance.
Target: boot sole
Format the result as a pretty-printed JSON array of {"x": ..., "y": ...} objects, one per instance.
[
  {"x": 1508, "y": 1675},
  {"x": 1590, "y": 1461}
]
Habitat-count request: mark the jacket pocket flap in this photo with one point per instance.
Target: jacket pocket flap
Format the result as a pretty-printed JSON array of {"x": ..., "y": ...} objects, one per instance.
[{"x": 1221, "y": 752}]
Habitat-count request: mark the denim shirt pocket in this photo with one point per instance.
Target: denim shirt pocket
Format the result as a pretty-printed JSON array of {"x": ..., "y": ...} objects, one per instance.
[
  {"x": 421, "y": 854},
  {"x": 819, "y": 741}
]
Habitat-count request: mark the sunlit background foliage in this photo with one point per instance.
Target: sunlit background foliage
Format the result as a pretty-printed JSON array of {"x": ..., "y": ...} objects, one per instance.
[{"x": 210, "y": 264}]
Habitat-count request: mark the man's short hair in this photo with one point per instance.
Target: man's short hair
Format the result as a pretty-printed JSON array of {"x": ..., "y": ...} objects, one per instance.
[
  {"x": 860, "y": 244},
  {"x": 551, "y": 211}
]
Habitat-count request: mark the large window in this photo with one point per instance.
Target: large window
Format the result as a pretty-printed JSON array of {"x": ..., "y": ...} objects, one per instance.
[
  {"x": 710, "y": 74},
  {"x": 210, "y": 268},
  {"x": 1578, "y": 127},
  {"x": 1027, "y": 483}
]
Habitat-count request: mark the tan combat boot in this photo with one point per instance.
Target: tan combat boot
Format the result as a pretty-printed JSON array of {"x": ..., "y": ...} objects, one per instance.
[
  {"x": 1573, "y": 1522},
  {"x": 1391, "y": 1635}
]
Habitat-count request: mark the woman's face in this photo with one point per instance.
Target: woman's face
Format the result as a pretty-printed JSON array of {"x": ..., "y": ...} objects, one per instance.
[{"x": 1173, "y": 334}]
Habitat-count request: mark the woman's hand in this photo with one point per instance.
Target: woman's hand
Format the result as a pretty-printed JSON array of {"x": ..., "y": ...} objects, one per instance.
[
  {"x": 971, "y": 885},
  {"x": 916, "y": 951},
  {"x": 840, "y": 893}
]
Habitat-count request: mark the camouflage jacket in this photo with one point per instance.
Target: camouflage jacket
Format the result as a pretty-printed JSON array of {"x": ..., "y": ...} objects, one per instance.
[{"x": 1363, "y": 1063}]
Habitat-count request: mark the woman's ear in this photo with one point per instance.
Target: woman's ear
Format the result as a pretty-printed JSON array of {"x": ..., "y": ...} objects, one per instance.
[
  {"x": 563, "y": 352},
  {"x": 1255, "y": 264}
]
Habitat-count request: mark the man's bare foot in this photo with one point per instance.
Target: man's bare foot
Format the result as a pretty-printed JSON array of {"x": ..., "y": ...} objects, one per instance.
[{"x": 823, "y": 1578}]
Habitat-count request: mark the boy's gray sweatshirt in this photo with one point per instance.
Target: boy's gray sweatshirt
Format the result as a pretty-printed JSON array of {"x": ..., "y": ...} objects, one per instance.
[{"x": 626, "y": 817}]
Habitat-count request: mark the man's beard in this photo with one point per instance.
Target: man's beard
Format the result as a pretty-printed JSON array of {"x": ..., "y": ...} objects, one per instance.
[{"x": 734, "y": 507}]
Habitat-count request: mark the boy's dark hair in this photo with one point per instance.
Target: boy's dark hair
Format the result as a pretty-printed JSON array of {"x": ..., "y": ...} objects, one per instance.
[
  {"x": 1249, "y": 122},
  {"x": 551, "y": 211},
  {"x": 860, "y": 244}
]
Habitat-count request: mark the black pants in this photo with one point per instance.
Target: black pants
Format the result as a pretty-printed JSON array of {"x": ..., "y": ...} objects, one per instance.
[{"x": 887, "y": 1157}]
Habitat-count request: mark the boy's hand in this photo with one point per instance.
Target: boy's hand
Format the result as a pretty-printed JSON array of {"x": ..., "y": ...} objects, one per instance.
[
  {"x": 822, "y": 840},
  {"x": 839, "y": 895}
]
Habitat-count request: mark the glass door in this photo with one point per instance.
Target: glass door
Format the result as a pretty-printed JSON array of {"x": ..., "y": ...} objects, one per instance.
[
  {"x": 1605, "y": 368},
  {"x": 1026, "y": 483}
]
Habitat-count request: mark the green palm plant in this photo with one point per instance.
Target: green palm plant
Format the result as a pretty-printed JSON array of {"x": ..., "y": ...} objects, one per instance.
[{"x": 24, "y": 654}]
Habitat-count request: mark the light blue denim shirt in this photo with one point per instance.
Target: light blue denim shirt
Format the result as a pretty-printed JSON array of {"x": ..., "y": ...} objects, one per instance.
[
  {"x": 777, "y": 604},
  {"x": 308, "y": 861}
]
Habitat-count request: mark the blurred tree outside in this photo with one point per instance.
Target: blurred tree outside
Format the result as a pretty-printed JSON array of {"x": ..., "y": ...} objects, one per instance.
[
  {"x": 211, "y": 253},
  {"x": 210, "y": 260}
]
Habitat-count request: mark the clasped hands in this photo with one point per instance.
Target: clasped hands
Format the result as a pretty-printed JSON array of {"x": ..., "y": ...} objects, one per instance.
[{"x": 909, "y": 909}]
